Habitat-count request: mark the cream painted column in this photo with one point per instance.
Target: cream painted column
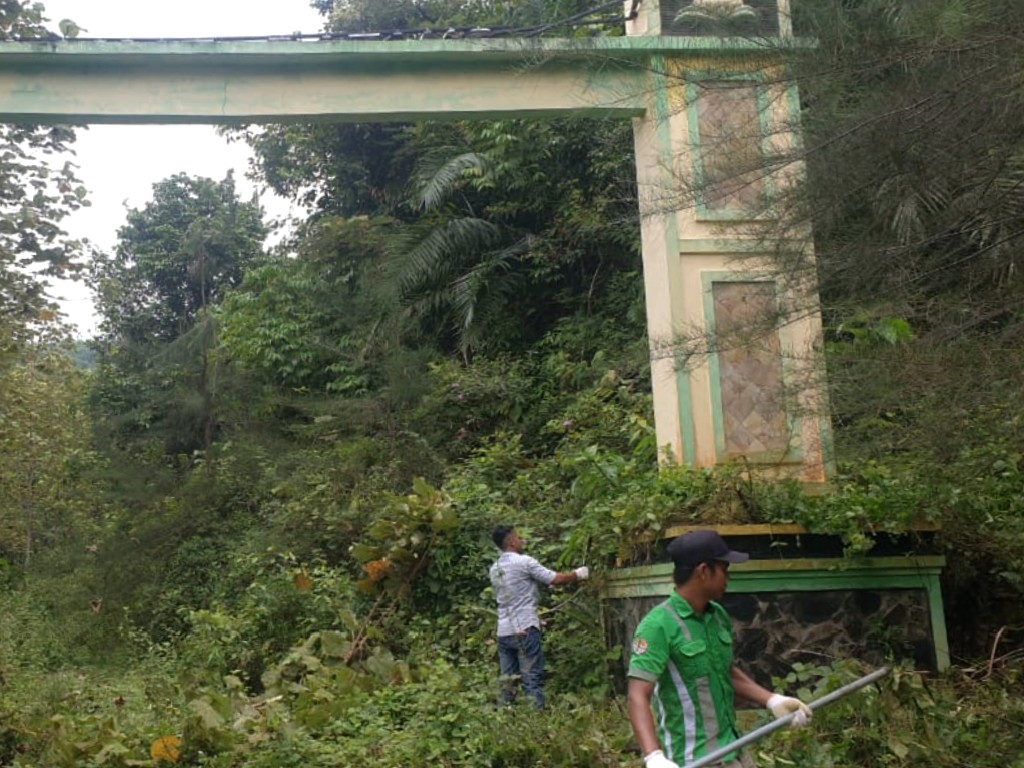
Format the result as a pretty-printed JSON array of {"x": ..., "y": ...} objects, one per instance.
[
  {"x": 663, "y": 280},
  {"x": 736, "y": 355}
]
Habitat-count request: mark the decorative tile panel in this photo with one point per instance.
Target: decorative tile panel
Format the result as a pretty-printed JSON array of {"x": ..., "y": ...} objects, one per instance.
[
  {"x": 729, "y": 136},
  {"x": 750, "y": 374}
]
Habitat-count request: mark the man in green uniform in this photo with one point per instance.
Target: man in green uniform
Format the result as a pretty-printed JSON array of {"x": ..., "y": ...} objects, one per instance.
[{"x": 683, "y": 685}]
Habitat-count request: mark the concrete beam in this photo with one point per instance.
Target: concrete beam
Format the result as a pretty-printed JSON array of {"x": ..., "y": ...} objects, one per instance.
[{"x": 85, "y": 81}]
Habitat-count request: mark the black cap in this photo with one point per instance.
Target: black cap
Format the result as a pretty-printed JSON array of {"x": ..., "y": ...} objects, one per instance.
[{"x": 698, "y": 547}]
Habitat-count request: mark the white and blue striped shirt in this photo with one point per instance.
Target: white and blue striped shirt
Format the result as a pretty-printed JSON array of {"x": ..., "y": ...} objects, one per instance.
[{"x": 515, "y": 579}]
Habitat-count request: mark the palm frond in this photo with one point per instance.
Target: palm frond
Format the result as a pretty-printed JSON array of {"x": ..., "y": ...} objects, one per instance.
[
  {"x": 437, "y": 183},
  {"x": 487, "y": 278},
  {"x": 431, "y": 261}
]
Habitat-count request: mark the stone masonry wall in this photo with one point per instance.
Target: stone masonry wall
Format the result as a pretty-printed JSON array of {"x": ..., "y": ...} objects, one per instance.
[{"x": 775, "y": 630}]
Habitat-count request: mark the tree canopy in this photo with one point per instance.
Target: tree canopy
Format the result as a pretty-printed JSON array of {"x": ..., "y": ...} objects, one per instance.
[
  {"x": 39, "y": 187},
  {"x": 175, "y": 259}
]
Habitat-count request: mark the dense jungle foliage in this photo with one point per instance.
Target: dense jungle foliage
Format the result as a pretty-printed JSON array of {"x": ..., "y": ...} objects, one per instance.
[{"x": 256, "y": 531}]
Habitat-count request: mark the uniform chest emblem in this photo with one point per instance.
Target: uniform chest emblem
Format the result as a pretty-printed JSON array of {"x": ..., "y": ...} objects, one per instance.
[{"x": 639, "y": 646}]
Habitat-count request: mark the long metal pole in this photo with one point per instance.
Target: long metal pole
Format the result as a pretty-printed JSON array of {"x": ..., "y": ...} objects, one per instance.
[{"x": 782, "y": 722}]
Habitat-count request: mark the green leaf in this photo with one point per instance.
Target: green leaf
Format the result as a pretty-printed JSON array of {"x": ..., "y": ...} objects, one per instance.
[
  {"x": 335, "y": 644},
  {"x": 208, "y": 715}
]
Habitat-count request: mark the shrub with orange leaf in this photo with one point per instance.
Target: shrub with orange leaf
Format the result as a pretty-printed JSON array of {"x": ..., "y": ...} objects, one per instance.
[
  {"x": 166, "y": 749},
  {"x": 377, "y": 569}
]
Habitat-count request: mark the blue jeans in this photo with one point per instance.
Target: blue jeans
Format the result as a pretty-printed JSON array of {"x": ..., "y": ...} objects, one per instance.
[{"x": 521, "y": 656}]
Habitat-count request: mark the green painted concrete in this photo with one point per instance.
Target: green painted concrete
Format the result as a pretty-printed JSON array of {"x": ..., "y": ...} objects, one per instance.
[
  {"x": 807, "y": 575},
  {"x": 662, "y": 118},
  {"x": 388, "y": 50},
  {"x": 278, "y": 81}
]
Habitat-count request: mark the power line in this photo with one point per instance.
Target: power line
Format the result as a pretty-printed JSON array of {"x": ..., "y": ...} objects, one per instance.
[{"x": 568, "y": 21}]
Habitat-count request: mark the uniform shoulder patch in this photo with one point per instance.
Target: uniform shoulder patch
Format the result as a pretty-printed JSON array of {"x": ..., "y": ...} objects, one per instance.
[{"x": 639, "y": 646}]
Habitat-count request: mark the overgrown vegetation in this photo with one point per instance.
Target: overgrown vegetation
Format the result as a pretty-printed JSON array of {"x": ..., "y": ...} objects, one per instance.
[{"x": 258, "y": 533}]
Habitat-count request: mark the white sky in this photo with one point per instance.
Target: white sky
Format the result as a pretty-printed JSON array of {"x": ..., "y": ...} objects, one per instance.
[{"x": 119, "y": 164}]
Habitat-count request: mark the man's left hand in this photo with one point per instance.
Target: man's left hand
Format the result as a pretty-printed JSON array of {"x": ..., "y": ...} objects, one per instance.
[{"x": 781, "y": 706}]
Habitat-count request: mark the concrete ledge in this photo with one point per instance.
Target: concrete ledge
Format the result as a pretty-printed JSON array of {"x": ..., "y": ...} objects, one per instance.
[{"x": 910, "y": 572}]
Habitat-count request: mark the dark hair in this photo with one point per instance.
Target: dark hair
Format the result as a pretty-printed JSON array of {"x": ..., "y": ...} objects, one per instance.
[
  {"x": 500, "y": 534},
  {"x": 682, "y": 572}
]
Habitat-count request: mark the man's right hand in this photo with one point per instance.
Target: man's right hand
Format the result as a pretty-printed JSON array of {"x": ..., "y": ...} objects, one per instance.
[
  {"x": 582, "y": 573},
  {"x": 781, "y": 706},
  {"x": 657, "y": 759}
]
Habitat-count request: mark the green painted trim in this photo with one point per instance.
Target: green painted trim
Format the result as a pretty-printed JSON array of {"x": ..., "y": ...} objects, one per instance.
[
  {"x": 825, "y": 438},
  {"x": 793, "y": 108},
  {"x": 663, "y": 131},
  {"x": 714, "y": 366},
  {"x": 685, "y": 394},
  {"x": 792, "y": 455},
  {"x": 697, "y": 158},
  {"x": 702, "y": 245},
  {"x": 819, "y": 574},
  {"x": 222, "y": 81},
  {"x": 696, "y": 153},
  {"x": 795, "y": 581},
  {"x": 70, "y": 53},
  {"x": 810, "y": 575},
  {"x": 914, "y": 563},
  {"x": 940, "y": 637},
  {"x": 225, "y": 88},
  {"x": 764, "y": 119}
]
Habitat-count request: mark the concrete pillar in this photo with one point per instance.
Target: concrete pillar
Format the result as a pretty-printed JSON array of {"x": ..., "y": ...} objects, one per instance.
[{"x": 736, "y": 351}]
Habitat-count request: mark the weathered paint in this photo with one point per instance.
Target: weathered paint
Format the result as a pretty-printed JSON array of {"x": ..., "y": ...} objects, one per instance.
[{"x": 279, "y": 80}]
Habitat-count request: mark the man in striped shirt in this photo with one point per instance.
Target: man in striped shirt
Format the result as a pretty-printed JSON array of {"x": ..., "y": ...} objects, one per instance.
[
  {"x": 516, "y": 579},
  {"x": 683, "y": 685}
]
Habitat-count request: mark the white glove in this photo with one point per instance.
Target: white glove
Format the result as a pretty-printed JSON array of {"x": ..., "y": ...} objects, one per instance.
[
  {"x": 657, "y": 759},
  {"x": 783, "y": 705},
  {"x": 582, "y": 573}
]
